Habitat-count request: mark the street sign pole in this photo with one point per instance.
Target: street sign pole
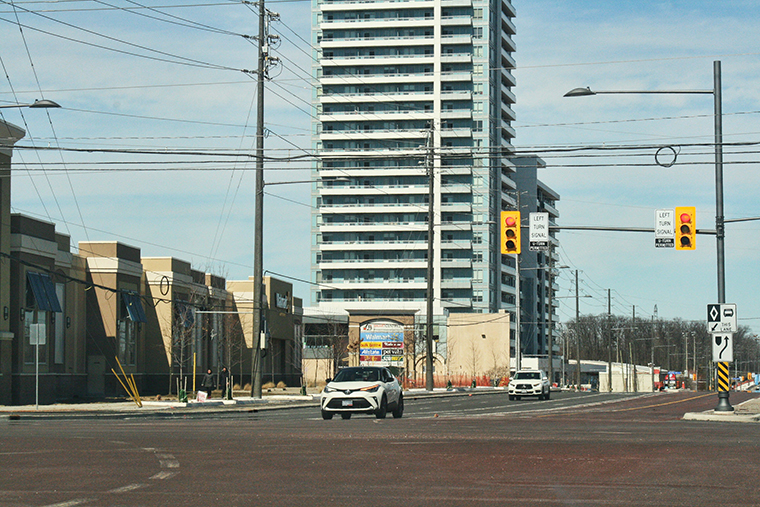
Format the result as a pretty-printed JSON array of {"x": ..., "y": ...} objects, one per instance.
[{"x": 721, "y": 324}]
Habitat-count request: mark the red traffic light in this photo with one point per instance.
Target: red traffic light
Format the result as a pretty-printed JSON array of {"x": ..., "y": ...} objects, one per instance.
[
  {"x": 686, "y": 238},
  {"x": 510, "y": 221}
]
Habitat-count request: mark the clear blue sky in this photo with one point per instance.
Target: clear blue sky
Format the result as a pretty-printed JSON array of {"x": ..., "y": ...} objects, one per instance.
[{"x": 171, "y": 80}]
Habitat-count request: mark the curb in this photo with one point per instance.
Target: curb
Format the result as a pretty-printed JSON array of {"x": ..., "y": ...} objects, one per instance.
[{"x": 216, "y": 407}]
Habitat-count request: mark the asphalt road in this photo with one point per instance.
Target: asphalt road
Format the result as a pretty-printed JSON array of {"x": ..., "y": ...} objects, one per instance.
[{"x": 590, "y": 449}]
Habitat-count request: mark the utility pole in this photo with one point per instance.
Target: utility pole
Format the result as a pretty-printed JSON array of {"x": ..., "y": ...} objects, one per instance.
[
  {"x": 577, "y": 336},
  {"x": 429, "y": 379},
  {"x": 551, "y": 324},
  {"x": 609, "y": 341},
  {"x": 258, "y": 235},
  {"x": 258, "y": 226}
]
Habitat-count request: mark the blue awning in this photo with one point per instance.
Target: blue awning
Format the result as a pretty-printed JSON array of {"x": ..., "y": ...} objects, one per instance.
[
  {"x": 43, "y": 289},
  {"x": 134, "y": 307}
]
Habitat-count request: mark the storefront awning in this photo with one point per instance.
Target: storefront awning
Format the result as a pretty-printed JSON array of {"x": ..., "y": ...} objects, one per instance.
[
  {"x": 43, "y": 289},
  {"x": 134, "y": 307}
]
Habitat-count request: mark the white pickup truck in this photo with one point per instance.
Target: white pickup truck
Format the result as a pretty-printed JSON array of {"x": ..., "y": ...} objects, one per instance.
[{"x": 529, "y": 383}]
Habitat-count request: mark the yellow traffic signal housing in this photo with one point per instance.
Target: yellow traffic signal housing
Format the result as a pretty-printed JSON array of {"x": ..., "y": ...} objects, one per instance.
[
  {"x": 686, "y": 228},
  {"x": 510, "y": 232}
]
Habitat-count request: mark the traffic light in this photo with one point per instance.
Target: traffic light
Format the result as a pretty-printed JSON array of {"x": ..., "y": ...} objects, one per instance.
[
  {"x": 686, "y": 228},
  {"x": 510, "y": 232}
]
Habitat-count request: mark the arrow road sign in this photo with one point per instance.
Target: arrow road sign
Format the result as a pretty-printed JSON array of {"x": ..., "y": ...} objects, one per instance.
[
  {"x": 721, "y": 318},
  {"x": 723, "y": 348}
]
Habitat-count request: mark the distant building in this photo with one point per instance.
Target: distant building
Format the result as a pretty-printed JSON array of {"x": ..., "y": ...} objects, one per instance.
[{"x": 403, "y": 87}]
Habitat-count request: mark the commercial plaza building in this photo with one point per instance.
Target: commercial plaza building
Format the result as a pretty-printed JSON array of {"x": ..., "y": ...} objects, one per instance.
[
  {"x": 405, "y": 89},
  {"x": 70, "y": 319}
]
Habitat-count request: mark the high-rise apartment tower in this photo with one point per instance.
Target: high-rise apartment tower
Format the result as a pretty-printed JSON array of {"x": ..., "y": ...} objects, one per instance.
[{"x": 403, "y": 87}]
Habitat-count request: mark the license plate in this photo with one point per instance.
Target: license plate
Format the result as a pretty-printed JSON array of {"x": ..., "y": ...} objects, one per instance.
[{"x": 348, "y": 403}]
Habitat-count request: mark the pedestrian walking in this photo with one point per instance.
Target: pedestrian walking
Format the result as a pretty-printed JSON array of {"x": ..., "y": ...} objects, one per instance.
[
  {"x": 224, "y": 384},
  {"x": 208, "y": 383}
]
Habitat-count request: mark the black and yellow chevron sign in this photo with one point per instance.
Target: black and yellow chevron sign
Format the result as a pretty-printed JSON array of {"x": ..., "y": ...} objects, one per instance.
[{"x": 723, "y": 383}]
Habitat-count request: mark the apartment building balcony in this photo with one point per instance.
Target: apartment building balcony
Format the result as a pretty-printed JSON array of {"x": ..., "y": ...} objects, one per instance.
[
  {"x": 360, "y": 23},
  {"x": 554, "y": 212},
  {"x": 382, "y": 285},
  {"x": 374, "y": 208},
  {"x": 507, "y": 184},
  {"x": 456, "y": 283},
  {"x": 508, "y": 113},
  {"x": 455, "y": 244},
  {"x": 399, "y": 96},
  {"x": 460, "y": 20},
  {"x": 347, "y": 61},
  {"x": 356, "y": 5},
  {"x": 508, "y": 61},
  {"x": 455, "y": 76},
  {"x": 351, "y": 135},
  {"x": 365, "y": 79},
  {"x": 456, "y": 94},
  {"x": 456, "y": 38},
  {"x": 456, "y": 132},
  {"x": 340, "y": 246},
  {"x": 507, "y": 78},
  {"x": 375, "y": 116},
  {"x": 374, "y": 264},
  {"x": 456, "y": 3},
  {"x": 457, "y": 188},
  {"x": 456, "y": 226},
  {"x": 509, "y": 43},
  {"x": 375, "y": 189},
  {"x": 455, "y": 263},
  {"x": 362, "y": 227},
  {"x": 506, "y": 127},
  {"x": 507, "y": 25},
  {"x": 394, "y": 303},
  {"x": 507, "y": 95},
  {"x": 450, "y": 114},
  {"x": 456, "y": 302},
  {"x": 365, "y": 42},
  {"x": 456, "y": 207},
  {"x": 457, "y": 169},
  {"x": 362, "y": 153},
  {"x": 509, "y": 8}
]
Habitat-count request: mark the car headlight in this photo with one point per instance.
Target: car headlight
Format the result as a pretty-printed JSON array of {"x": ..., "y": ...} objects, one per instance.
[
  {"x": 371, "y": 389},
  {"x": 329, "y": 389}
]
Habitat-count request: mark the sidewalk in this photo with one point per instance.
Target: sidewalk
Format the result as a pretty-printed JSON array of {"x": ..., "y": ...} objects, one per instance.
[
  {"x": 272, "y": 399},
  {"x": 746, "y": 412},
  {"x": 280, "y": 399}
]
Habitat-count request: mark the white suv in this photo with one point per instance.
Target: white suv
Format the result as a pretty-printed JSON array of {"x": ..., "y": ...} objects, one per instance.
[
  {"x": 529, "y": 383},
  {"x": 363, "y": 389}
]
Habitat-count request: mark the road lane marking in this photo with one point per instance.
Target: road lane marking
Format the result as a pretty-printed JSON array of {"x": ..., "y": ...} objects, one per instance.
[
  {"x": 164, "y": 475},
  {"x": 72, "y": 503},
  {"x": 127, "y": 488},
  {"x": 663, "y": 404}
]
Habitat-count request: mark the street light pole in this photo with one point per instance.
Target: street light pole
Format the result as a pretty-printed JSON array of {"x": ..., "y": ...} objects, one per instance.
[
  {"x": 44, "y": 104},
  {"x": 723, "y": 403}
]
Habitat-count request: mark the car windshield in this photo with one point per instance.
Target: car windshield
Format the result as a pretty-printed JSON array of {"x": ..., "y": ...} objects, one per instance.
[
  {"x": 358, "y": 375},
  {"x": 528, "y": 375}
]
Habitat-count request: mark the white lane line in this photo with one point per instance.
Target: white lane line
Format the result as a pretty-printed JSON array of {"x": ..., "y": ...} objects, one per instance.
[
  {"x": 164, "y": 475},
  {"x": 169, "y": 463},
  {"x": 71, "y": 503},
  {"x": 127, "y": 488}
]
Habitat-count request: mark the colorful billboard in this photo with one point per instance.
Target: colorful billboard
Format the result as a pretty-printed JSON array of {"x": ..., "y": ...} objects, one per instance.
[{"x": 381, "y": 343}]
